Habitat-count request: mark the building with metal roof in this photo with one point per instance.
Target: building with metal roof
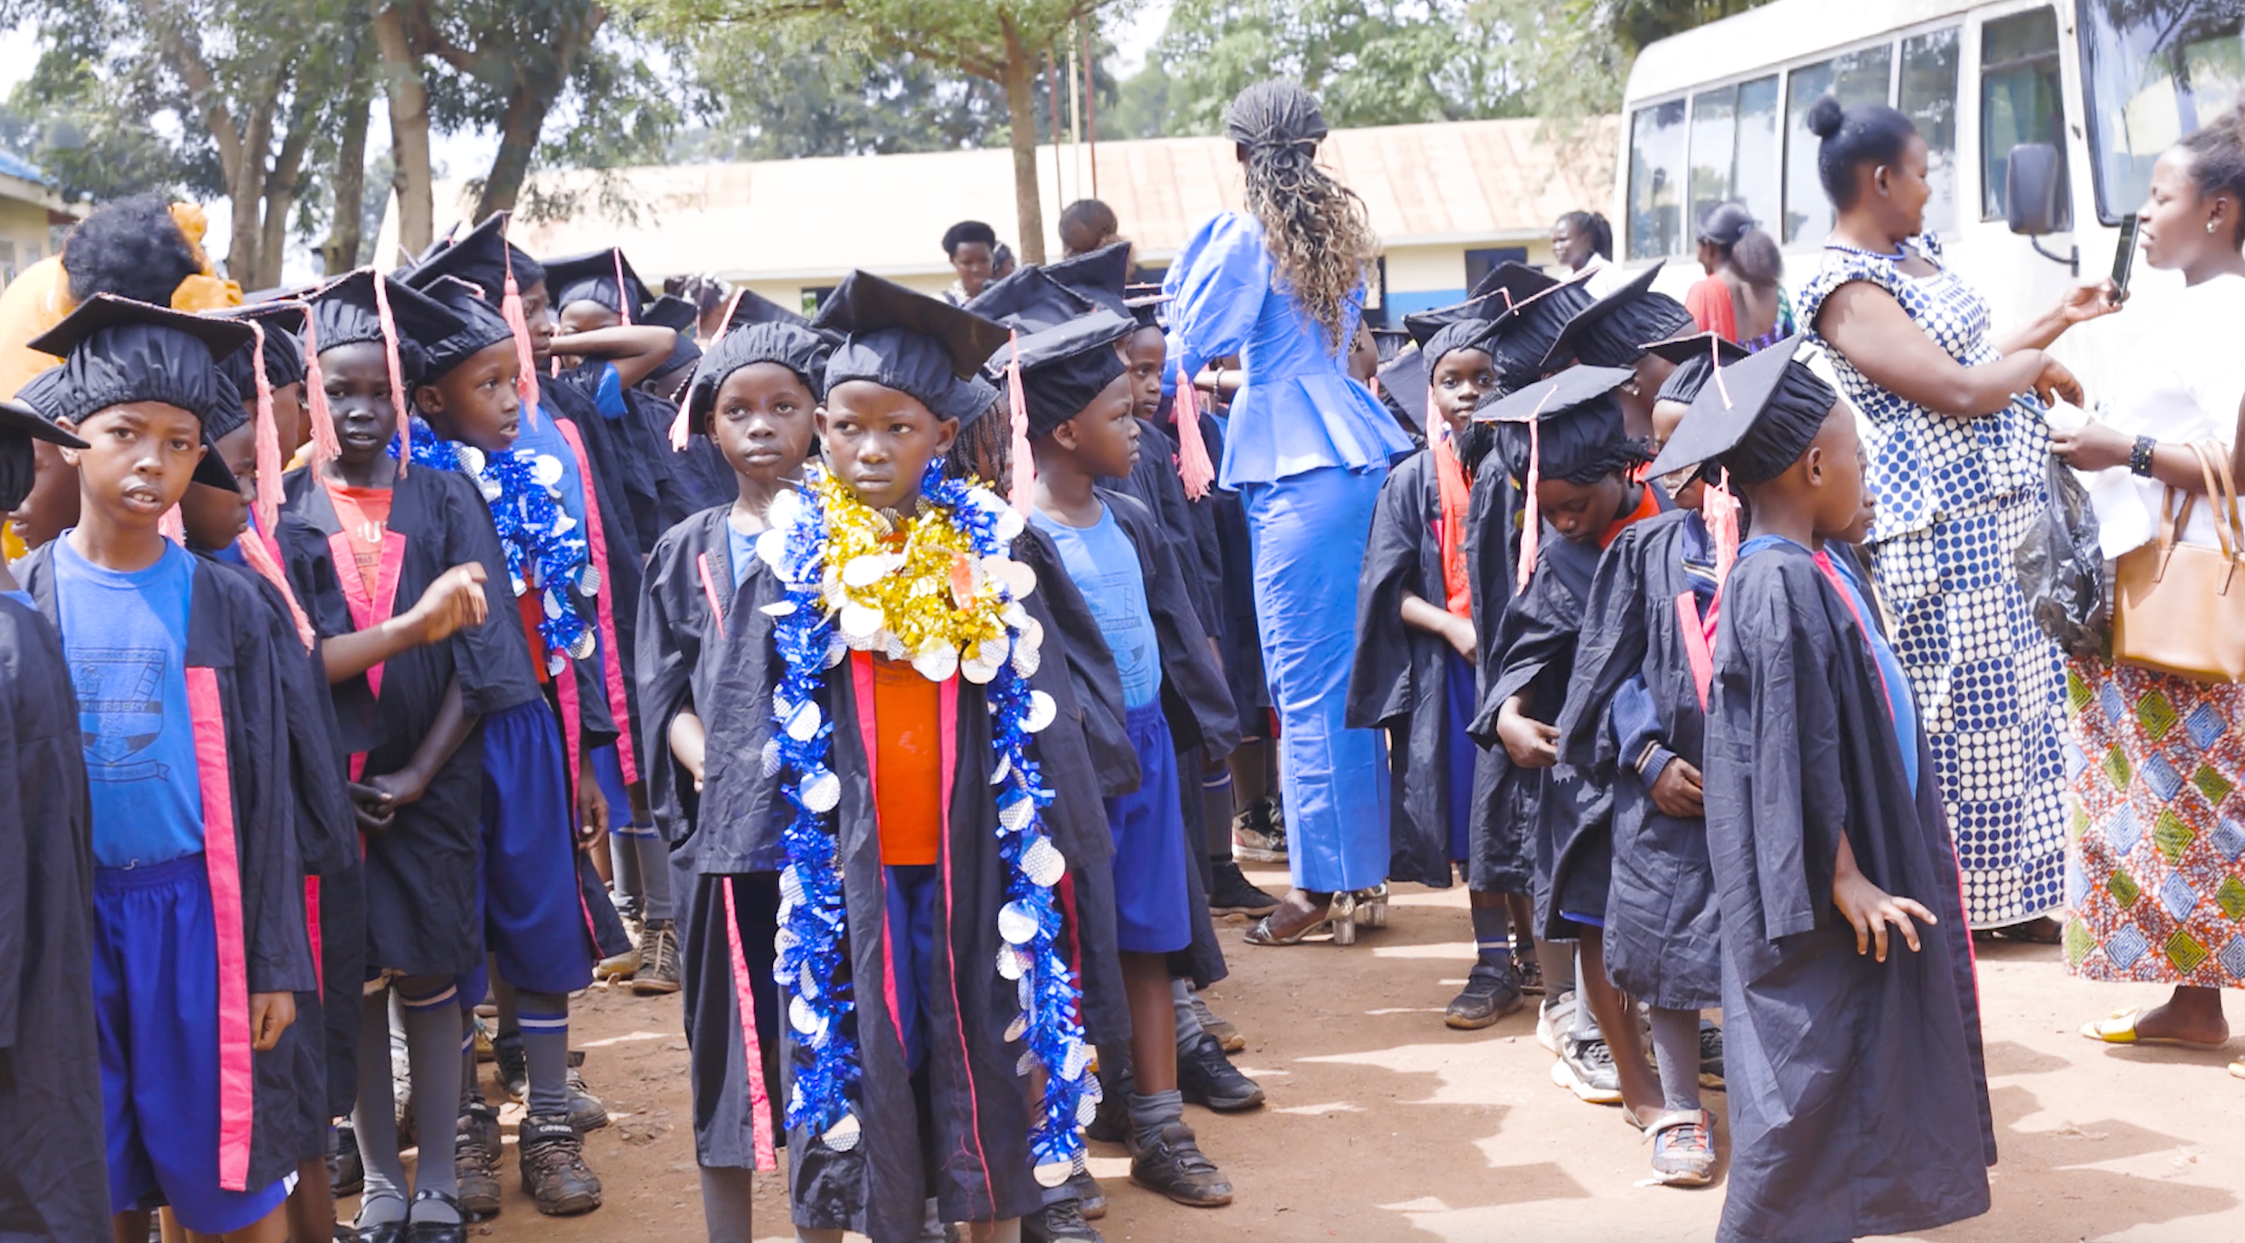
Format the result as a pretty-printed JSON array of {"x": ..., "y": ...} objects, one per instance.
[{"x": 31, "y": 211}]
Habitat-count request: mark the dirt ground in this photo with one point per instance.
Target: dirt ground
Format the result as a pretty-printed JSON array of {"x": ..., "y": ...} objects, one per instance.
[{"x": 1385, "y": 1125}]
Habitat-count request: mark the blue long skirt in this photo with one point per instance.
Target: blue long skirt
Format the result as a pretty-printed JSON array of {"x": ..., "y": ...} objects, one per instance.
[{"x": 1308, "y": 533}]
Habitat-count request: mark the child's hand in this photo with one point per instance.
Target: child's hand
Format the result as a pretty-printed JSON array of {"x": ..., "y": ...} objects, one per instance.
[
  {"x": 269, "y": 1015},
  {"x": 1459, "y": 631},
  {"x": 592, "y": 810},
  {"x": 1677, "y": 791},
  {"x": 454, "y": 602},
  {"x": 1870, "y": 909},
  {"x": 372, "y": 808},
  {"x": 1530, "y": 742}
]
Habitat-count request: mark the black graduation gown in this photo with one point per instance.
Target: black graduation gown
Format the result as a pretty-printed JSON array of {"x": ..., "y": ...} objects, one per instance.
[
  {"x": 1501, "y": 859},
  {"x": 230, "y": 632},
  {"x": 610, "y": 473},
  {"x": 1400, "y": 679},
  {"x": 1233, "y": 564},
  {"x": 971, "y": 1151},
  {"x": 1859, "y": 1101},
  {"x": 625, "y": 450},
  {"x": 421, "y": 875},
  {"x": 1662, "y": 929},
  {"x": 699, "y": 474},
  {"x": 54, "y": 1181}
]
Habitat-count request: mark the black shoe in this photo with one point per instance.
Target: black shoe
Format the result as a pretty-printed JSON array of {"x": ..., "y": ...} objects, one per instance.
[
  {"x": 514, "y": 1065},
  {"x": 586, "y": 1111},
  {"x": 1175, "y": 1166},
  {"x": 1089, "y": 1198},
  {"x": 475, "y": 1160},
  {"x": 1259, "y": 833},
  {"x": 1234, "y": 894},
  {"x": 1489, "y": 995},
  {"x": 1206, "y": 1077},
  {"x": 554, "y": 1172},
  {"x": 1059, "y": 1223},
  {"x": 437, "y": 1231},
  {"x": 1110, "y": 1122},
  {"x": 346, "y": 1173},
  {"x": 1710, "y": 1055}
]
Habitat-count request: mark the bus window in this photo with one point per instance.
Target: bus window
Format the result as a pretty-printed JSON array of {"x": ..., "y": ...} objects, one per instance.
[
  {"x": 1857, "y": 77},
  {"x": 1929, "y": 97},
  {"x": 1656, "y": 181},
  {"x": 2152, "y": 72},
  {"x": 1734, "y": 149},
  {"x": 2019, "y": 102}
]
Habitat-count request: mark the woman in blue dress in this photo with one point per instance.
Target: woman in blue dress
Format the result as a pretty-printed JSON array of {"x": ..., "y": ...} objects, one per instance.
[
  {"x": 1958, "y": 453},
  {"x": 1281, "y": 284}
]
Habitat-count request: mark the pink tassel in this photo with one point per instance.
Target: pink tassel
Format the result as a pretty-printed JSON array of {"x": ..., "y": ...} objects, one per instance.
[
  {"x": 268, "y": 504},
  {"x": 173, "y": 526},
  {"x": 259, "y": 554},
  {"x": 732, "y": 305},
  {"x": 623, "y": 298},
  {"x": 1193, "y": 466},
  {"x": 1531, "y": 522},
  {"x": 1719, "y": 508},
  {"x": 325, "y": 446},
  {"x": 1024, "y": 465},
  {"x": 397, "y": 372},
  {"x": 526, "y": 359},
  {"x": 680, "y": 434}
]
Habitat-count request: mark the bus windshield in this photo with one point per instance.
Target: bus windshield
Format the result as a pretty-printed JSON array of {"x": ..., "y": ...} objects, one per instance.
[{"x": 2153, "y": 71}]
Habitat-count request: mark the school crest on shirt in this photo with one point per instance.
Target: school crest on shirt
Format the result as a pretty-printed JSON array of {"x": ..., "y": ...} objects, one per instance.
[{"x": 120, "y": 710}]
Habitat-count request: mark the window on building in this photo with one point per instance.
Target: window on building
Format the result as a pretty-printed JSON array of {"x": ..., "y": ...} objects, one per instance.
[
  {"x": 1656, "y": 181},
  {"x": 1928, "y": 96},
  {"x": 1734, "y": 150},
  {"x": 1480, "y": 262},
  {"x": 1858, "y": 77},
  {"x": 7, "y": 260},
  {"x": 2153, "y": 71},
  {"x": 2020, "y": 101}
]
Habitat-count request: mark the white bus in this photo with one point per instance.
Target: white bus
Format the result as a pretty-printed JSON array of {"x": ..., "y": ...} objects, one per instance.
[{"x": 1720, "y": 113}]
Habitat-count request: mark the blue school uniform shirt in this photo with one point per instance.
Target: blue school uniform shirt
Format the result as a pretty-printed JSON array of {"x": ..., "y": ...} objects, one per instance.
[
  {"x": 125, "y": 638},
  {"x": 1103, "y": 563},
  {"x": 740, "y": 550},
  {"x": 537, "y": 433}
]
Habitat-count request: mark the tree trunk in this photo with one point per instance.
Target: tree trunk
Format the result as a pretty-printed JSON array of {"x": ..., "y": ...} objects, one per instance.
[
  {"x": 281, "y": 187},
  {"x": 409, "y": 131},
  {"x": 1021, "y": 109},
  {"x": 245, "y": 190},
  {"x": 344, "y": 235},
  {"x": 527, "y": 105}
]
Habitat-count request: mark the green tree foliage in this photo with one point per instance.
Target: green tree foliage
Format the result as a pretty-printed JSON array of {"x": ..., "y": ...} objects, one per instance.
[{"x": 782, "y": 97}]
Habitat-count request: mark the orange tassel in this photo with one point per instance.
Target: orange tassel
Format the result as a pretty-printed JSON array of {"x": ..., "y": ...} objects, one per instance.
[
  {"x": 1024, "y": 466},
  {"x": 397, "y": 372},
  {"x": 526, "y": 359},
  {"x": 623, "y": 298},
  {"x": 268, "y": 504},
  {"x": 1531, "y": 520},
  {"x": 1193, "y": 466},
  {"x": 325, "y": 446},
  {"x": 1718, "y": 507}
]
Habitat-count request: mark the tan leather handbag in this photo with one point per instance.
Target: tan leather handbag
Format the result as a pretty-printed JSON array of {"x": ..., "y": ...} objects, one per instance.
[{"x": 2180, "y": 608}]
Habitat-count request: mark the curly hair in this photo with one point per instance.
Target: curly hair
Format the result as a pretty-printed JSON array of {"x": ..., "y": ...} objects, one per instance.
[
  {"x": 132, "y": 248},
  {"x": 1317, "y": 229}
]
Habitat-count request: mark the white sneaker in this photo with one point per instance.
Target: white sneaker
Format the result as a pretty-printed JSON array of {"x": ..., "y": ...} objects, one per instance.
[{"x": 1554, "y": 1019}]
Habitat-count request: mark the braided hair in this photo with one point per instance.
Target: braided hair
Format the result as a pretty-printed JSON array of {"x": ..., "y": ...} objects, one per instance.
[{"x": 1317, "y": 230}]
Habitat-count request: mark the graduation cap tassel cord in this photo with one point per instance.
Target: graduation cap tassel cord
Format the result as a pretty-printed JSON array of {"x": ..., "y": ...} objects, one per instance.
[
  {"x": 397, "y": 371},
  {"x": 1720, "y": 508},
  {"x": 623, "y": 295},
  {"x": 1193, "y": 466},
  {"x": 1531, "y": 520},
  {"x": 268, "y": 437},
  {"x": 732, "y": 308},
  {"x": 325, "y": 446},
  {"x": 173, "y": 526},
  {"x": 1024, "y": 466},
  {"x": 526, "y": 359}
]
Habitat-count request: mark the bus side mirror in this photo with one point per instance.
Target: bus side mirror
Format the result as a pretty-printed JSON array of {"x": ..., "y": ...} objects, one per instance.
[{"x": 2031, "y": 189}]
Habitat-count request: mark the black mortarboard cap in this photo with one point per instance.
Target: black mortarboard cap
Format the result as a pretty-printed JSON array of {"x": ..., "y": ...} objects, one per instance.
[
  {"x": 1458, "y": 327},
  {"x": 1146, "y": 308},
  {"x": 481, "y": 326},
  {"x": 116, "y": 351},
  {"x": 283, "y": 322},
  {"x": 478, "y": 257},
  {"x": 19, "y": 419},
  {"x": 1031, "y": 301},
  {"x": 592, "y": 278},
  {"x": 1578, "y": 421},
  {"x": 1403, "y": 380},
  {"x": 1102, "y": 275},
  {"x": 1612, "y": 331},
  {"x": 1693, "y": 353},
  {"x": 1521, "y": 339},
  {"x": 1064, "y": 367},
  {"x": 751, "y": 307},
  {"x": 902, "y": 339},
  {"x": 796, "y": 347},
  {"x": 1756, "y": 417},
  {"x": 344, "y": 312},
  {"x": 670, "y": 311},
  {"x": 1518, "y": 280}
]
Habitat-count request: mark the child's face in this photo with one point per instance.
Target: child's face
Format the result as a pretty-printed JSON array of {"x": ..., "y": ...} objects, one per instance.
[
  {"x": 1636, "y": 397},
  {"x": 1460, "y": 379},
  {"x": 1103, "y": 438},
  {"x": 537, "y": 311},
  {"x": 763, "y": 421},
  {"x": 1835, "y": 468},
  {"x": 475, "y": 402},
  {"x": 52, "y": 505},
  {"x": 215, "y": 517},
  {"x": 880, "y": 442},
  {"x": 1146, "y": 353},
  {"x": 358, "y": 400},
  {"x": 288, "y": 417},
  {"x": 1581, "y": 512},
  {"x": 1684, "y": 485},
  {"x": 137, "y": 462}
]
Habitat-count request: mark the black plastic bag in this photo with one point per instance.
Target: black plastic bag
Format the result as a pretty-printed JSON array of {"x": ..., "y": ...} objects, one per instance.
[{"x": 2062, "y": 570}]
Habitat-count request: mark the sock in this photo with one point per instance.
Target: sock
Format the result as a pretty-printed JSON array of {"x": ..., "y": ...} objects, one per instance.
[
  {"x": 1188, "y": 1022},
  {"x": 545, "y": 1047},
  {"x": 376, "y": 1118},
  {"x": 653, "y": 855},
  {"x": 1586, "y": 1026},
  {"x": 1216, "y": 812},
  {"x": 1149, "y": 1114},
  {"x": 728, "y": 1197},
  {"x": 1676, "y": 1052},
  {"x": 432, "y": 1042},
  {"x": 502, "y": 996},
  {"x": 1492, "y": 937}
]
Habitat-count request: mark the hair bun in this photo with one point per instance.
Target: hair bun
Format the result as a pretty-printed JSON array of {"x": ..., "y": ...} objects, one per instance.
[{"x": 1825, "y": 116}]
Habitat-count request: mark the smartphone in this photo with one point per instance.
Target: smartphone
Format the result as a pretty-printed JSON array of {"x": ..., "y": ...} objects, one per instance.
[{"x": 2124, "y": 256}]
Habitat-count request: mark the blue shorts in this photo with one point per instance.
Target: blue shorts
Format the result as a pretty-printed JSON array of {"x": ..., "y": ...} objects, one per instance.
[
  {"x": 1153, "y": 908},
  {"x": 908, "y": 894},
  {"x": 534, "y": 916},
  {"x": 1459, "y": 752},
  {"x": 155, "y": 956},
  {"x": 608, "y": 770}
]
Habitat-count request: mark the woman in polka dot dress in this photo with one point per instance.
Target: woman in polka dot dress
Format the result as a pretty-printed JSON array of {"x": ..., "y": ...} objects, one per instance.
[{"x": 1957, "y": 468}]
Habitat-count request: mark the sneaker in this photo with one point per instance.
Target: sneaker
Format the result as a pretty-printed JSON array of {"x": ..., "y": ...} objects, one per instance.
[
  {"x": 1553, "y": 1018},
  {"x": 1710, "y": 1055},
  {"x": 586, "y": 1111},
  {"x": 1062, "y": 1222},
  {"x": 346, "y": 1172},
  {"x": 475, "y": 1160},
  {"x": 1683, "y": 1149},
  {"x": 553, "y": 1167},
  {"x": 486, "y": 1030},
  {"x": 1258, "y": 835},
  {"x": 1206, "y": 1077},
  {"x": 1110, "y": 1119},
  {"x": 514, "y": 1066},
  {"x": 1089, "y": 1197},
  {"x": 1227, "y": 1036},
  {"x": 1175, "y": 1166},
  {"x": 1489, "y": 994},
  {"x": 1586, "y": 1068},
  {"x": 1530, "y": 970},
  {"x": 1234, "y": 894},
  {"x": 658, "y": 961}
]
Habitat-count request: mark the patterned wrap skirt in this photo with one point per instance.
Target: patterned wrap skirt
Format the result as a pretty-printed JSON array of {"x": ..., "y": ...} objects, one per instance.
[{"x": 2155, "y": 876}]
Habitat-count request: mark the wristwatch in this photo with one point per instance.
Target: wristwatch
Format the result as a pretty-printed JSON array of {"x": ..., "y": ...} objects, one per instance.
[{"x": 2139, "y": 456}]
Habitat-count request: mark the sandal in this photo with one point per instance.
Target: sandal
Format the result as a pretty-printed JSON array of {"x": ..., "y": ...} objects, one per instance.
[
  {"x": 2119, "y": 1027},
  {"x": 1261, "y": 933},
  {"x": 2041, "y": 930},
  {"x": 1683, "y": 1148},
  {"x": 2237, "y": 1069}
]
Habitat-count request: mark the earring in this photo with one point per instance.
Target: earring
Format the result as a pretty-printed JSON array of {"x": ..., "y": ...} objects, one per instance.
[{"x": 2209, "y": 226}]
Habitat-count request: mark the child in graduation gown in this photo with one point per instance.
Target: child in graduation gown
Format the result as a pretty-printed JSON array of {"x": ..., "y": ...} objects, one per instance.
[
  {"x": 1563, "y": 438},
  {"x": 1632, "y": 730},
  {"x": 1858, "y": 1090},
  {"x": 199, "y": 938},
  {"x": 52, "y": 1188},
  {"x": 906, "y": 795},
  {"x": 756, "y": 393}
]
